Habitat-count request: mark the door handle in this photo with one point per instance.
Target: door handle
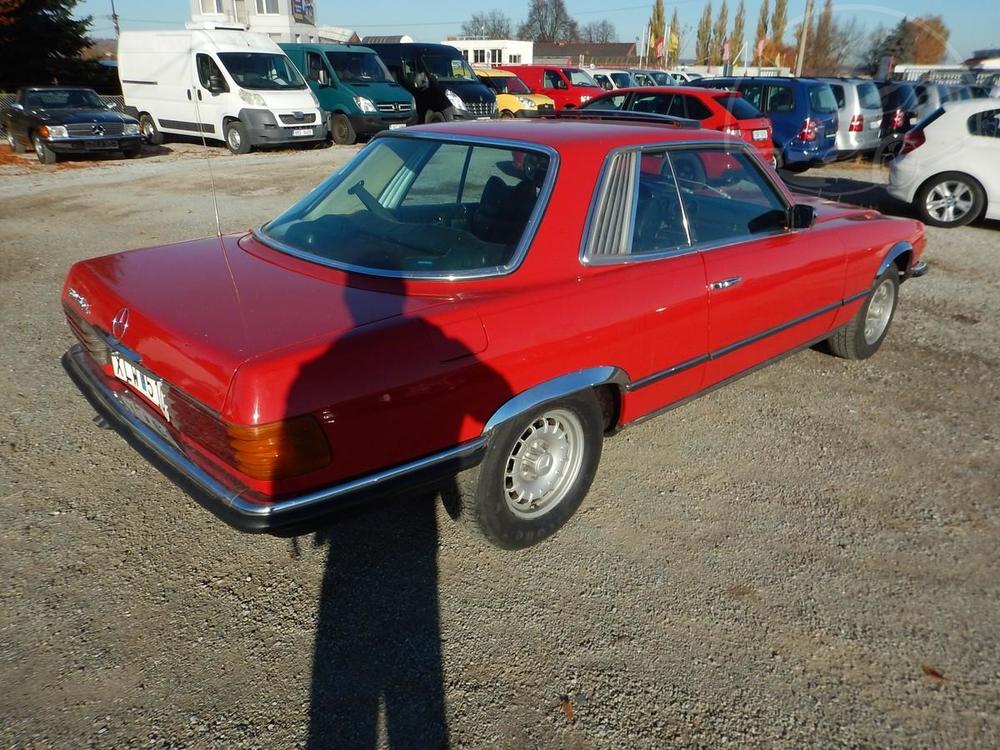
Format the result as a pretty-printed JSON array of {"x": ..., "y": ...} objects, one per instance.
[
  {"x": 189, "y": 94},
  {"x": 199, "y": 95},
  {"x": 726, "y": 283}
]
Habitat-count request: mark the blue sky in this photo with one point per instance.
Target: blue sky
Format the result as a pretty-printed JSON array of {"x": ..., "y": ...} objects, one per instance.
[{"x": 974, "y": 24}]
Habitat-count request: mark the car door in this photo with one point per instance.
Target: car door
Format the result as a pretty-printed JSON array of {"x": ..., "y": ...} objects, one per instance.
[
  {"x": 645, "y": 281},
  {"x": 984, "y": 150},
  {"x": 209, "y": 105},
  {"x": 770, "y": 289}
]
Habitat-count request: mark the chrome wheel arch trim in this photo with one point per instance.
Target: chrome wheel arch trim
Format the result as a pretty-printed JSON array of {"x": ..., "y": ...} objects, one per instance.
[
  {"x": 890, "y": 257},
  {"x": 556, "y": 388}
]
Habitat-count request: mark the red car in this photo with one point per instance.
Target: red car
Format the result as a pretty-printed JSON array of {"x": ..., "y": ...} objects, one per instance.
[
  {"x": 567, "y": 86},
  {"x": 725, "y": 111},
  {"x": 432, "y": 308}
]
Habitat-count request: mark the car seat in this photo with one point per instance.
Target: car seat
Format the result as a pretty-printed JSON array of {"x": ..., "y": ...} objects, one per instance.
[{"x": 503, "y": 211}]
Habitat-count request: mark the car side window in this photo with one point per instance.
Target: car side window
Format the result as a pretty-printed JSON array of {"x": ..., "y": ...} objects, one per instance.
[
  {"x": 696, "y": 110},
  {"x": 208, "y": 70},
  {"x": 314, "y": 64},
  {"x": 838, "y": 94},
  {"x": 753, "y": 93},
  {"x": 780, "y": 99},
  {"x": 655, "y": 103},
  {"x": 551, "y": 80},
  {"x": 726, "y": 195},
  {"x": 658, "y": 225},
  {"x": 986, "y": 123},
  {"x": 611, "y": 101}
]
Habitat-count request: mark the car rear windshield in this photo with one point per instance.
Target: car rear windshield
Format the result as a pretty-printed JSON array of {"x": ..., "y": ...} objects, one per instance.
[
  {"x": 868, "y": 96},
  {"x": 256, "y": 70},
  {"x": 821, "y": 99},
  {"x": 418, "y": 207},
  {"x": 579, "y": 77},
  {"x": 358, "y": 67},
  {"x": 739, "y": 107}
]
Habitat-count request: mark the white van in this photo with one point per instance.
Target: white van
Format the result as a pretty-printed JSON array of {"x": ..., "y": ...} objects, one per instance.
[{"x": 227, "y": 84}]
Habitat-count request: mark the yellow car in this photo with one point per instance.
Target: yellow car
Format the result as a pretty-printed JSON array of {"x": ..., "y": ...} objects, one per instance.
[{"x": 514, "y": 98}]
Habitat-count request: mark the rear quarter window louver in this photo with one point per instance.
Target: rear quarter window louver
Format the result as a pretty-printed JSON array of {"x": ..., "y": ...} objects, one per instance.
[{"x": 610, "y": 231}]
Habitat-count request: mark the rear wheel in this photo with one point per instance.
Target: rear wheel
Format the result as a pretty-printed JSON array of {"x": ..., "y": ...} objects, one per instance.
[
  {"x": 863, "y": 336},
  {"x": 15, "y": 145},
  {"x": 45, "y": 154},
  {"x": 536, "y": 472},
  {"x": 237, "y": 137},
  {"x": 506, "y": 115},
  {"x": 950, "y": 199},
  {"x": 341, "y": 130},
  {"x": 150, "y": 133}
]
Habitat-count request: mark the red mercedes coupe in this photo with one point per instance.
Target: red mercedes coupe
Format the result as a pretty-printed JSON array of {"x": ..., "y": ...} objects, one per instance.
[{"x": 479, "y": 303}]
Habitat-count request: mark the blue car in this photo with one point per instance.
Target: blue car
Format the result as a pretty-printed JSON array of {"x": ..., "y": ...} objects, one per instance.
[{"x": 803, "y": 114}]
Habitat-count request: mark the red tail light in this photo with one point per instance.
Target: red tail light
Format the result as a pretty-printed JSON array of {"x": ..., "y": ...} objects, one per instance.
[
  {"x": 857, "y": 124},
  {"x": 898, "y": 119},
  {"x": 808, "y": 131},
  {"x": 912, "y": 140}
]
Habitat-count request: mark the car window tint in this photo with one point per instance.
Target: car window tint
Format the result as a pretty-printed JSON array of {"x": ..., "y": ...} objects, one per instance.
[
  {"x": 986, "y": 123},
  {"x": 551, "y": 80},
  {"x": 611, "y": 101},
  {"x": 658, "y": 225},
  {"x": 603, "y": 80},
  {"x": 754, "y": 93},
  {"x": 621, "y": 79},
  {"x": 696, "y": 110},
  {"x": 740, "y": 108},
  {"x": 821, "y": 99},
  {"x": 780, "y": 99},
  {"x": 868, "y": 96},
  {"x": 655, "y": 103},
  {"x": 725, "y": 195},
  {"x": 838, "y": 94}
]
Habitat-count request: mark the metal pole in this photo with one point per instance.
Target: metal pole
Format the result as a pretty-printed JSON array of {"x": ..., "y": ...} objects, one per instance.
[
  {"x": 114, "y": 19},
  {"x": 807, "y": 21}
]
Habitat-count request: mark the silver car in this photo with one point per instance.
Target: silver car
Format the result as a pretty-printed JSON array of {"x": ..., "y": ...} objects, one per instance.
[{"x": 859, "y": 110}]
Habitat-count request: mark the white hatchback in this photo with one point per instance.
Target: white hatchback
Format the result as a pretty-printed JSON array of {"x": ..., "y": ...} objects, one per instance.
[{"x": 949, "y": 166}]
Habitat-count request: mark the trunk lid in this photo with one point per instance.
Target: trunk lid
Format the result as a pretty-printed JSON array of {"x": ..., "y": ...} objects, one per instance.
[{"x": 198, "y": 310}]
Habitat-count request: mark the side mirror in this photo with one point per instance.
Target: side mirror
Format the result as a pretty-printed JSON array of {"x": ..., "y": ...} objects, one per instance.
[
  {"x": 803, "y": 216},
  {"x": 112, "y": 105},
  {"x": 18, "y": 106},
  {"x": 561, "y": 84},
  {"x": 321, "y": 77},
  {"x": 216, "y": 85}
]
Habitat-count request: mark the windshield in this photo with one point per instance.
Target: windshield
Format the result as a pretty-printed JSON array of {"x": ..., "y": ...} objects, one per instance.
[
  {"x": 363, "y": 67},
  {"x": 445, "y": 67},
  {"x": 821, "y": 99},
  {"x": 506, "y": 84},
  {"x": 662, "y": 78},
  {"x": 63, "y": 99},
  {"x": 256, "y": 70},
  {"x": 418, "y": 207},
  {"x": 579, "y": 77}
]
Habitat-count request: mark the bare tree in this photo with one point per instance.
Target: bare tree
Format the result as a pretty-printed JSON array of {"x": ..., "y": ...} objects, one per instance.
[
  {"x": 494, "y": 24},
  {"x": 548, "y": 21},
  {"x": 599, "y": 32}
]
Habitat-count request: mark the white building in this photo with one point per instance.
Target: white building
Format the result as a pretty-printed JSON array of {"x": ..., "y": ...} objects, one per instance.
[
  {"x": 282, "y": 20},
  {"x": 494, "y": 51}
]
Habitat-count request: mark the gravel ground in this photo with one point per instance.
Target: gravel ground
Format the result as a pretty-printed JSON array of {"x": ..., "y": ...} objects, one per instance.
[{"x": 806, "y": 558}]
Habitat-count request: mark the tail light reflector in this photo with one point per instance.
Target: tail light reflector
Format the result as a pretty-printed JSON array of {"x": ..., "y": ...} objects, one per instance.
[
  {"x": 857, "y": 124},
  {"x": 912, "y": 140},
  {"x": 278, "y": 450},
  {"x": 808, "y": 130}
]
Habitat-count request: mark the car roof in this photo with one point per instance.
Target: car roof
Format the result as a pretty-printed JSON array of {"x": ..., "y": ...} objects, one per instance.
[
  {"x": 710, "y": 93},
  {"x": 971, "y": 106},
  {"x": 570, "y": 134}
]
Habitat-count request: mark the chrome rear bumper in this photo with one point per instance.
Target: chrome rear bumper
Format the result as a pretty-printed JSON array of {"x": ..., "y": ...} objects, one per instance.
[{"x": 234, "y": 503}]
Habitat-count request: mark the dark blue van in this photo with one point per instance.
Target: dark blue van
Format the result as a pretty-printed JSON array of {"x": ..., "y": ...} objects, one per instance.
[
  {"x": 803, "y": 114},
  {"x": 441, "y": 80}
]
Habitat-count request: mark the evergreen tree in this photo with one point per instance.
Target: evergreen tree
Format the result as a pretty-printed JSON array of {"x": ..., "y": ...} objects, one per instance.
[
  {"x": 657, "y": 29},
  {"x": 762, "y": 27},
  {"x": 779, "y": 22},
  {"x": 674, "y": 41},
  {"x": 720, "y": 34},
  {"x": 819, "y": 53},
  {"x": 736, "y": 39},
  {"x": 41, "y": 43},
  {"x": 703, "y": 40}
]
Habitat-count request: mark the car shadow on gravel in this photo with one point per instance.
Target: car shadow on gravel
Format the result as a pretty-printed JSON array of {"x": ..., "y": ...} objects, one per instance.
[
  {"x": 847, "y": 190},
  {"x": 377, "y": 667}
]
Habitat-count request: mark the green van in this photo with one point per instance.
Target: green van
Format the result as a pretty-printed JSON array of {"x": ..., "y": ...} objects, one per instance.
[{"x": 355, "y": 90}]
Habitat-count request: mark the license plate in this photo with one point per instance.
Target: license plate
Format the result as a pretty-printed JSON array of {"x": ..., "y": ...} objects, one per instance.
[
  {"x": 484, "y": 118},
  {"x": 875, "y": 124},
  {"x": 301, "y": 131},
  {"x": 144, "y": 415},
  {"x": 760, "y": 135},
  {"x": 397, "y": 125},
  {"x": 141, "y": 381},
  {"x": 104, "y": 144}
]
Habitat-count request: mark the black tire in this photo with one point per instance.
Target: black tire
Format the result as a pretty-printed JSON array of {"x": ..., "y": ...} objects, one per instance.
[
  {"x": 45, "y": 154},
  {"x": 132, "y": 153},
  {"x": 150, "y": 133},
  {"x": 484, "y": 494},
  {"x": 852, "y": 341},
  {"x": 341, "y": 130},
  {"x": 778, "y": 161},
  {"x": 506, "y": 115},
  {"x": 958, "y": 184},
  {"x": 237, "y": 137},
  {"x": 15, "y": 145},
  {"x": 797, "y": 168}
]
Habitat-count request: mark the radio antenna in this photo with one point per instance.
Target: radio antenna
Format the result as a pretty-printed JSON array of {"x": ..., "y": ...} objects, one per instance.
[{"x": 208, "y": 162}]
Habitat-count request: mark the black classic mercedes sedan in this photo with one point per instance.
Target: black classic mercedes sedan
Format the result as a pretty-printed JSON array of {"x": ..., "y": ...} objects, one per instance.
[{"x": 61, "y": 120}]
